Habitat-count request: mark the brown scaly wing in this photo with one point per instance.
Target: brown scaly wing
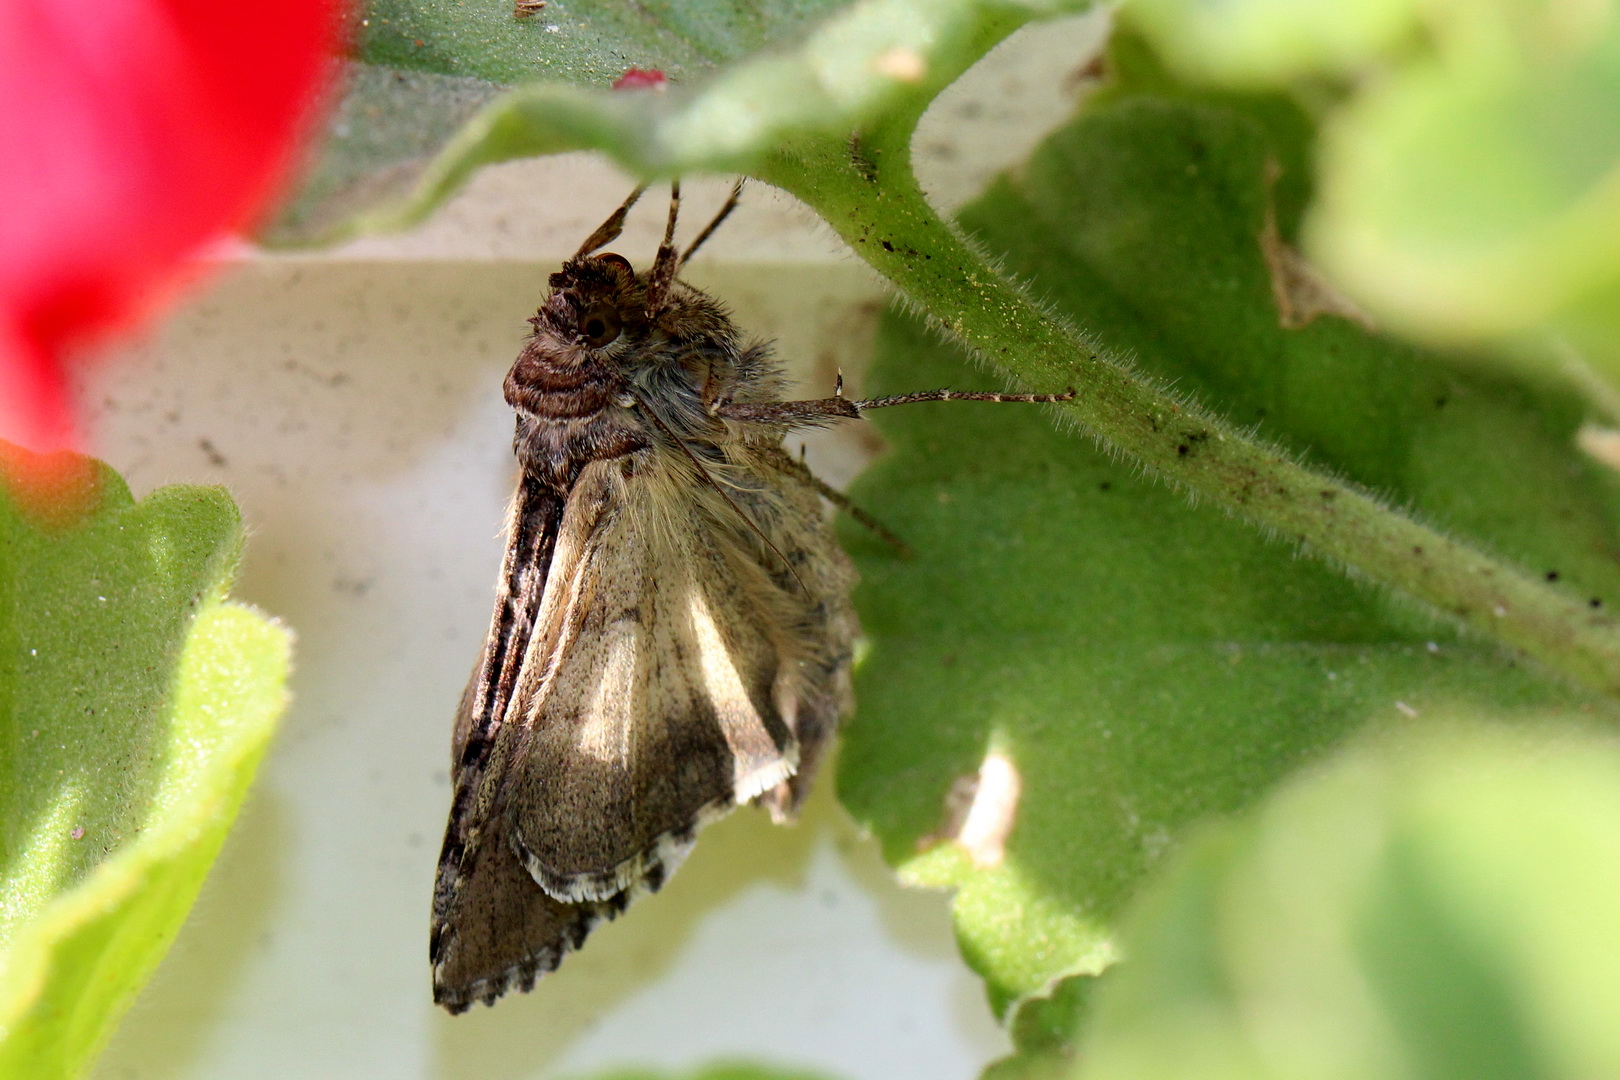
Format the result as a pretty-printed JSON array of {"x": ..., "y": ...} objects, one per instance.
[
  {"x": 658, "y": 710},
  {"x": 669, "y": 669},
  {"x": 492, "y": 928},
  {"x": 502, "y": 931}
]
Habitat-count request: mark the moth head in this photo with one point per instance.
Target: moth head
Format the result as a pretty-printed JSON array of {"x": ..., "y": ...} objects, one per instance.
[{"x": 597, "y": 306}]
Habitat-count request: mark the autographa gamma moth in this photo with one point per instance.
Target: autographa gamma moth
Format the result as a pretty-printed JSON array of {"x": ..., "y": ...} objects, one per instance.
[{"x": 672, "y": 628}]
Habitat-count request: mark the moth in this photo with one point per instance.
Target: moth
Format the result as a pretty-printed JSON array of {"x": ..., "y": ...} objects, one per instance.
[{"x": 672, "y": 630}]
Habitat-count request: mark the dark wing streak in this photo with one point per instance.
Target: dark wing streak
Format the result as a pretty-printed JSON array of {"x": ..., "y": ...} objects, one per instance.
[
  {"x": 534, "y": 521},
  {"x": 536, "y": 517}
]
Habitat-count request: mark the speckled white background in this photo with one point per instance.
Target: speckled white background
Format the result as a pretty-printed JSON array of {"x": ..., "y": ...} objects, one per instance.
[{"x": 351, "y": 402}]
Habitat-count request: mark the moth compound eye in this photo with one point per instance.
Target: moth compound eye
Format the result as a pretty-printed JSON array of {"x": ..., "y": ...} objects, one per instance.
[{"x": 599, "y": 326}]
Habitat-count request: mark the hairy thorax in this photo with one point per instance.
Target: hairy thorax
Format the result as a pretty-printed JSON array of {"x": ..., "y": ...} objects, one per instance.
[{"x": 578, "y": 403}]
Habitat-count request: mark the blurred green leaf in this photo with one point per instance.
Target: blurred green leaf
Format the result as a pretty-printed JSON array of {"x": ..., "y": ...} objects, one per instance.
[
  {"x": 423, "y": 69},
  {"x": 1266, "y": 41},
  {"x": 1436, "y": 906},
  {"x": 1477, "y": 194},
  {"x": 587, "y": 44},
  {"x": 1044, "y": 1030},
  {"x": 383, "y": 133},
  {"x": 795, "y": 69},
  {"x": 1140, "y": 663},
  {"x": 135, "y": 703},
  {"x": 1471, "y": 171}
]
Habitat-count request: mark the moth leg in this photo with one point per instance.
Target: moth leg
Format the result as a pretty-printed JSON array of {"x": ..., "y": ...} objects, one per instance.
[
  {"x": 823, "y": 412},
  {"x": 719, "y": 386},
  {"x": 846, "y": 504},
  {"x": 817, "y": 412}
]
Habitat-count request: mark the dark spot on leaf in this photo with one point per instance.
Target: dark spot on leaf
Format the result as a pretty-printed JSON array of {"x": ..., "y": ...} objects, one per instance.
[
  {"x": 1552, "y": 575},
  {"x": 1105, "y": 486},
  {"x": 1594, "y": 602},
  {"x": 1182, "y": 449},
  {"x": 887, "y": 246},
  {"x": 864, "y": 165}
]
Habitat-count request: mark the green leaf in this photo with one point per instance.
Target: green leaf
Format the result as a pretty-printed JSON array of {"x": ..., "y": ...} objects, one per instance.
[
  {"x": 1140, "y": 663},
  {"x": 1438, "y": 906},
  {"x": 383, "y": 133},
  {"x": 1264, "y": 42},
  {"x": 1471, "y": 179},
  {"x": 424, "y": 69},
  {"x": 587, "y": 44},
  {"x": 135, "y": 703},
  {"x": 1478, "y": 195},
  {"x": 1044, "y": 1031},
  {"x": 789, "y": 77}
]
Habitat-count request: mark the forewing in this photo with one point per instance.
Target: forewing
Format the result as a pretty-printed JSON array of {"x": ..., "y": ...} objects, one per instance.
[
  {"x": 674, "y": 666},
  {"x": 501, "y": 931},
  {"x": 656, "y": 708},
  {"x": 532, "y": 526},
  {"x": 492, "y": 926}
]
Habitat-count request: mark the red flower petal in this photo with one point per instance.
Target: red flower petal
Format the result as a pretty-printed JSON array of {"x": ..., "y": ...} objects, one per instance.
[{"x": 132, "y": 134}]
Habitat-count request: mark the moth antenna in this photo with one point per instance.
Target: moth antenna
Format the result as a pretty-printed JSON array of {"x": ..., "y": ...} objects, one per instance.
[
  {"x": 666, "y": 265},
  {"x": 709, "y": 229},
  {"x": 609, "y": 230},
  {"x": 714, "y": 484},
  {"x": 838, "y": 387}
]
